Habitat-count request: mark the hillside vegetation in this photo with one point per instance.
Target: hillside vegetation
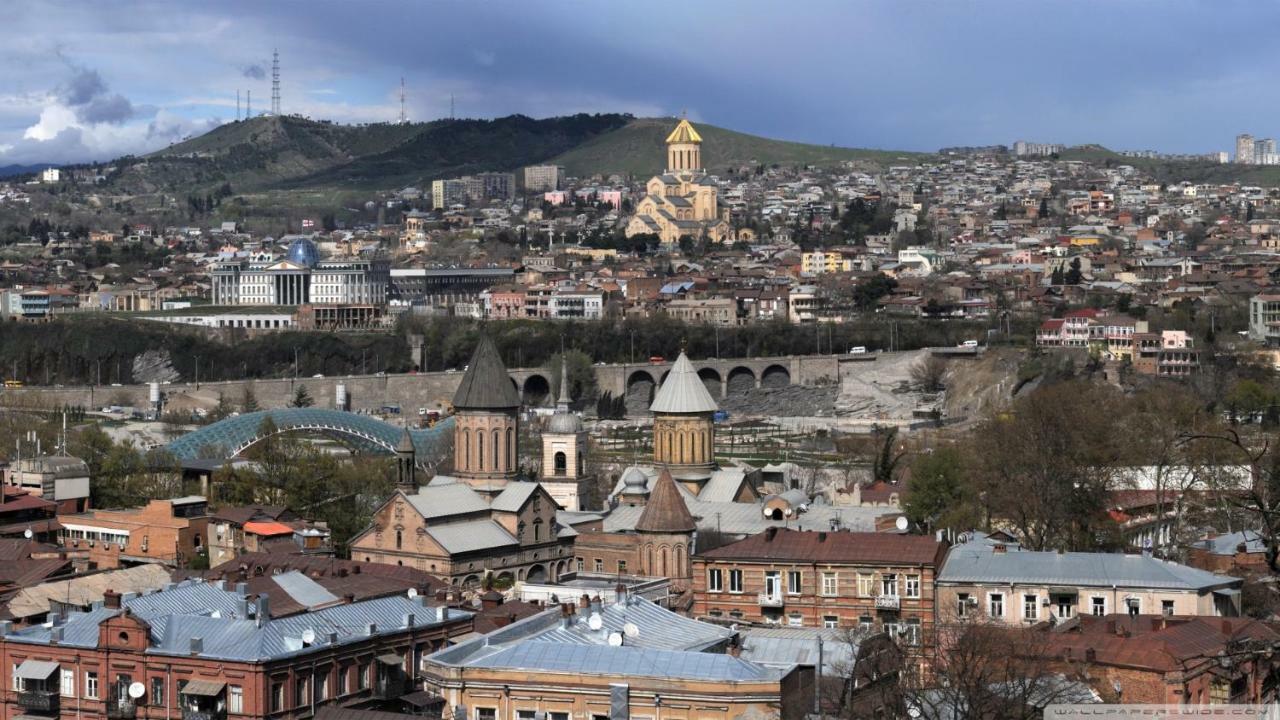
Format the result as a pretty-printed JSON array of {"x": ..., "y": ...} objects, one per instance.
[
  {"x": 1172, "y": 171},
  {"x": 638, "y": 150}
]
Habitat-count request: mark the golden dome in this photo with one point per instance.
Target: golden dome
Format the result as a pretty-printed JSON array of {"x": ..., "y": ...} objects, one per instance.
[{"x": 684, "y": 133}]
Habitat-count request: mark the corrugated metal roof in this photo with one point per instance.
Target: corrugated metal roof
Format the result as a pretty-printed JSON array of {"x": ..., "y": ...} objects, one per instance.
[
  {"x": 784, "y": 544},
  {"x": 461, "y": 537},
  {"x": 977, "y": 564},
  {"x": 735, "y": 518},
  {"x": 514, "y": 496},
  {"x": 541, "y": 656},
  {"x": 659, "y": 628},
  {"x": 434, "y": 501},
  {"x": 784, "y": 647},
  {"x": 304, "y": 590},
  {"x": 683, "y": 391}
]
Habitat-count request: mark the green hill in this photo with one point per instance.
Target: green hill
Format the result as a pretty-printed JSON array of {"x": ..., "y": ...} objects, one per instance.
[
  {"x": 292, "y": 153},
  {"x": 1172, "y": 171},
  {"x": 637, "y": 149}
]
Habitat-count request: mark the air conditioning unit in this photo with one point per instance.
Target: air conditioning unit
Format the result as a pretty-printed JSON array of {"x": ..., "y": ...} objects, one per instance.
[
  {"x": 1045, "y": 602},
  {"x": 971, "y": 602}
]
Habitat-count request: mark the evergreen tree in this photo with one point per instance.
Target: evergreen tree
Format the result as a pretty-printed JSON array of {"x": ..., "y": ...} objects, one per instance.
[
  {"x": 249, "y": 401},
  {"x": 302, "y": 398}
]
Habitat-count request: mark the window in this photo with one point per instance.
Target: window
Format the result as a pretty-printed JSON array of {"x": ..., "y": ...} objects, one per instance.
[
  {"x": 830, "y": 621},
  {"x": 889, "y": 584},
  {"x": 912, "y": 586},
  {"x": 362, "y": 677},
  {"x": 1166, "y": 607},
  {"x": 735, "y": 581},
  {"x": 300, "y": 692},
  {"x": 622, "y": 568},
  {"x": 321, "y": 685},
  {"x": 912, "y": 631},
  {"x": 995, "y": 605},
  {"x": 558, "y": 716},
  {"x": 235, "y": 699},
  {"x": 715, "y": 581},
  {"x": 962, "y": 604},
  {"x": 67, "y": 683},
  {"x": 891, "y": 629},
  {"x": 277, "y": 696},
  {"x": 486, "y": 714},
  {"x": 526, "y": 714},
  {"x": 598, "y": 565},
  {"x": 1030, "y": 607},
  {"x": 795, "y": 620},
  {"x": 864, "y": 623},
  {"x": 343, "y": 680},
  {"x": 830, "y": 584},
  {"x": 772, "y": 584},
  {"x": 581, "y": 566},
  {"x": 91, "y": 685},
  {"x": 1066, "y": 606},
  {"x": 1098, "y": 605},
  {"x": 793, "y": 582},
  {"x": 1133, "y": 605},
  {"x": 866, "y": 585}
]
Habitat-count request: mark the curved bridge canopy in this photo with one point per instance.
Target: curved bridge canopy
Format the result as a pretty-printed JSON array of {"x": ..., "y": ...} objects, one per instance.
[{"x": 234, "y": 434}]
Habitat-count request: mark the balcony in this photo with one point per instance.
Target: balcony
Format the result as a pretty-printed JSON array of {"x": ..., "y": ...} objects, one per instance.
[
  {"x": 390, "y": 688},
  {"x": 44, "y": 702},
  {"x": 769, "y": 600},
  {"x": 121, "y": 710},
  {"x": 194, "y": 714},
  {"x": 888, "y": 602}
]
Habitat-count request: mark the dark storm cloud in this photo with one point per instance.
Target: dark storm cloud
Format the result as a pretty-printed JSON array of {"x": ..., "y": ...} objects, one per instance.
[
  {"x": 82, "y": 87},
  {"x": 114, "y": 108},
  {"x": 87, "y": 93},
  {"x": 254, "y": 72}
]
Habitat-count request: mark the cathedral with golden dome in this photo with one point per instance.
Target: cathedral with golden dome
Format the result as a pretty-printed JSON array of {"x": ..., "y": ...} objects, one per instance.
[{"x": 683, "y": 200}]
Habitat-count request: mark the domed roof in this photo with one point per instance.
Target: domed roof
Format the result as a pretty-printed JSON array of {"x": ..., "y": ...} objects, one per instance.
[
  {"x": 303, "y": 252},
  {"x": 634, "y": 482},
  {"x": 564, "y": 423},
  {"x": 684, "y": 133}
]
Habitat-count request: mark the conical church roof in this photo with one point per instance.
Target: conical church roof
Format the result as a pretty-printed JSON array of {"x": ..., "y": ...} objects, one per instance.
[
  {"x": 684, "y": 133},
  {"x": 665, "y": 510},
  {"x": 486, "y": 385},
  {"x": 406, "y": 443},
  {"x": 683, "y": 391}
]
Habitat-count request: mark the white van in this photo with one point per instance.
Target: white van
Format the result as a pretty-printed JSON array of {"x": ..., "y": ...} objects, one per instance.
[
  {"x": 969, "y": 344},
  {"x": 859, "y": 350}
]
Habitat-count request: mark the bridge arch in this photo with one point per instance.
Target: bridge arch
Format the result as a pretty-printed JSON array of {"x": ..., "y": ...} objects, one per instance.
[
  {"x": 741, "y": 379},
  {"x": 640, "y": 389},
  {"x": 711, "y": 379},
  {"x": 775, "y": 376},
  {"x": 536, "y": 390},
  {"x": 234, "y": 435}
]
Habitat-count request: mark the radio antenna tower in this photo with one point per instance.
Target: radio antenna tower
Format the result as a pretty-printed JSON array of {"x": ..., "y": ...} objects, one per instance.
[
  {"x": 275, "y": 82},
  {"x": 404, "y": 118},
  {"x": 248, "y": 104},
  {"x": 237, "y": 105}
]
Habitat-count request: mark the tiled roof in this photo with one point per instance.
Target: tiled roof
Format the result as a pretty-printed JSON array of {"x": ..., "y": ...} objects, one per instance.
[
  {"x": 665, "y": 511},
  {"x": 784, "y": 544}
]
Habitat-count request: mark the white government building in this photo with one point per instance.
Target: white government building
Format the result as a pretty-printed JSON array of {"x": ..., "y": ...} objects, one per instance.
[{"x": 301, "y": 278}]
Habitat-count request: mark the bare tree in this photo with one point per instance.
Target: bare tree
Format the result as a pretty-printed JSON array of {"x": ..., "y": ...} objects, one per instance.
[{"x": 929, "y": 373}]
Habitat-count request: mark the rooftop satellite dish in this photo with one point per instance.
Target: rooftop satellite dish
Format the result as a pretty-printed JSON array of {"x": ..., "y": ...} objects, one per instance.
[
  {"x": 615, "y": 639},
  {"x": 902, "y": 523},
  {"x": 595, "y": 622},
  {"x": 413, "y": 593},
  {"x": 631, "y": 630},
  {"x": 308, "y": 636},
  {"x": 136, "y": 690},
  {"x": 28, "y": 534}
]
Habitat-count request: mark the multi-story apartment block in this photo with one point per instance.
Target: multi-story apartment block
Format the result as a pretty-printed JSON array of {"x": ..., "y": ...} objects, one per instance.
[
  {"x": 1264, "y": 319},
  {"x": 446, "y": 193},
  {"x": 1244, "y": 149},
  {"x": 870, "y": 581},
  {"x": 543, "y": 178},
  {"x": 169, "y": 532}
]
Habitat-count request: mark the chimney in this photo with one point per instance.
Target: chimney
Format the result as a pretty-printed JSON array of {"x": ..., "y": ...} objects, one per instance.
[
  {"x": 111, "y": 599},
  {"x": 197, "y": 645},
  {"x": 348, "y": 598},
  {"x": 263, "y": 614},
  {"x": 371, "y": 629},
  {"x": 408, "y": 620},
  {"x": 584, "y": 602},
  {"x": 490, "y": 600},
  {"x": 55, "y": 635},
  {"x": 221, "y": 584},
  {"x": 242, "y": 607},
  {"x": 999, "y": 549},
  {"x": 595, "y": 604},
  {"x": 6, "y": 627},
  {"x": 620, "y": 592},
  {"x": 442, "y": 595},
  {"x": 735, "y": 649},
  {"x": 242, "y": 589},
  {"x": 332, "y": 637},
  {"x": 442, "y": 613}
]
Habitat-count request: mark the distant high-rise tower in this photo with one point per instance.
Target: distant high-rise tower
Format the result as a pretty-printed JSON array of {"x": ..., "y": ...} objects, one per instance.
[
  {"x": 404, "y": 117},
  {"x": 275, "y": 82},
  {"x": 1244, "y": 149}
]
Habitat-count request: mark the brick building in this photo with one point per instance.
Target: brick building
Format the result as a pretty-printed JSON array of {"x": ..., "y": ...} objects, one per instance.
[
  {"x": 873, "y": 581},
  {"x": 170, "y": 532},
  {"x": 199, "y": 651}
]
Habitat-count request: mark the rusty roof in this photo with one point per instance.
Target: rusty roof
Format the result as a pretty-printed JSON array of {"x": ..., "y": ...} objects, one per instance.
[
  {"x": 842, "y": 547},
  {"x": 665, "y": 511}
]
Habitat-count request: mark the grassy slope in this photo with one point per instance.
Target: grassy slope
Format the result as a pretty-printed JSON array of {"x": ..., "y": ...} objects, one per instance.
[
  {"x": 1200, "y": 171},
  {"x": 637, "y": 149}
]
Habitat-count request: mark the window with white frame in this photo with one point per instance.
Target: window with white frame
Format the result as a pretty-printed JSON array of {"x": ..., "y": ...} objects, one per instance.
[
  {"x": 235, "y": 699},
  {"x": 889, "y": 584},
  {"x": 830, "y": 584},
  {"x": 866, "y": 585},
  {"x": 864, "y": 623},
  {"x": 962, "y": 604},
  {"x": 735, "y": 581},
  {"x": 1098, "y": 605},
  {"x": 91, "y": 685},
  {"x": 830, "y": 621},
  {"x": 911, "y": 631},
  {"x": 715, "y": 580},
  {"x": 995, "y": 605},
  {"x": 1030, "y": 607},
  {"x": 912, "y": 586},
  {"x": 794, "y": 582},
  {"x": 795, "y": 619},
  {"x": 67, "y": 683},
  {"x": 483, "y": 713}
]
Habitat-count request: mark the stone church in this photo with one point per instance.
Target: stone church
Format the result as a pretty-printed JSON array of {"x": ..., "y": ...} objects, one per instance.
[{"x": 684, "y": 199}]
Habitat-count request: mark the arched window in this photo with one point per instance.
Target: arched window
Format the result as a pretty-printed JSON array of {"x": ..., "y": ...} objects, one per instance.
[
  {"x": 497, "y": 448},
  {"x": 466, "y": 449},
  {"x": 480, "y": 449},
  {"x": 399, "y": 539},
  {"x": 664, "y": 561},
  {"x": 511, "y": 449},
  {"x": 537, "y": 530},
  {"x": 682, "y": 456},
  {"x": 561, "y": 464}
]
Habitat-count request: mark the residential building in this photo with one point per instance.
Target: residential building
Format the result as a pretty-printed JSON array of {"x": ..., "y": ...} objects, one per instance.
[
  {"x": 234, "y": 531},
  {"x": 543, "y": 178},
  {"x": 60, "y": 479},
  {"x": 704, "y": 311},
  {"x": 447, "y": 193},
  {"x": 880, "y": 582},
  {"x": 1244, "y": 149},
  {"x": 201, "y": 651},
  {"x": 1007, "y": 585},
  {"x": 169, "y": 532},
  {"x": 1264, "y": 319}
]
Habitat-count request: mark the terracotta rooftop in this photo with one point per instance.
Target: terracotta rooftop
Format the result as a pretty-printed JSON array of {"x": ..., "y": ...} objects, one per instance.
[
  {"x": 833, "y": 547},
  {"x": 665, "y": 510}
]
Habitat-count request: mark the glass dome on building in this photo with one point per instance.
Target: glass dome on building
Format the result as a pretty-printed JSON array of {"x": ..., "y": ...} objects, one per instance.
[{"x": 303, "y": 252}]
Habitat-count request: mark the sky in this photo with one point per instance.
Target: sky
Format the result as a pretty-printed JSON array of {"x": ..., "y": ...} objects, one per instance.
[{"x": 95, "y": 80}]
